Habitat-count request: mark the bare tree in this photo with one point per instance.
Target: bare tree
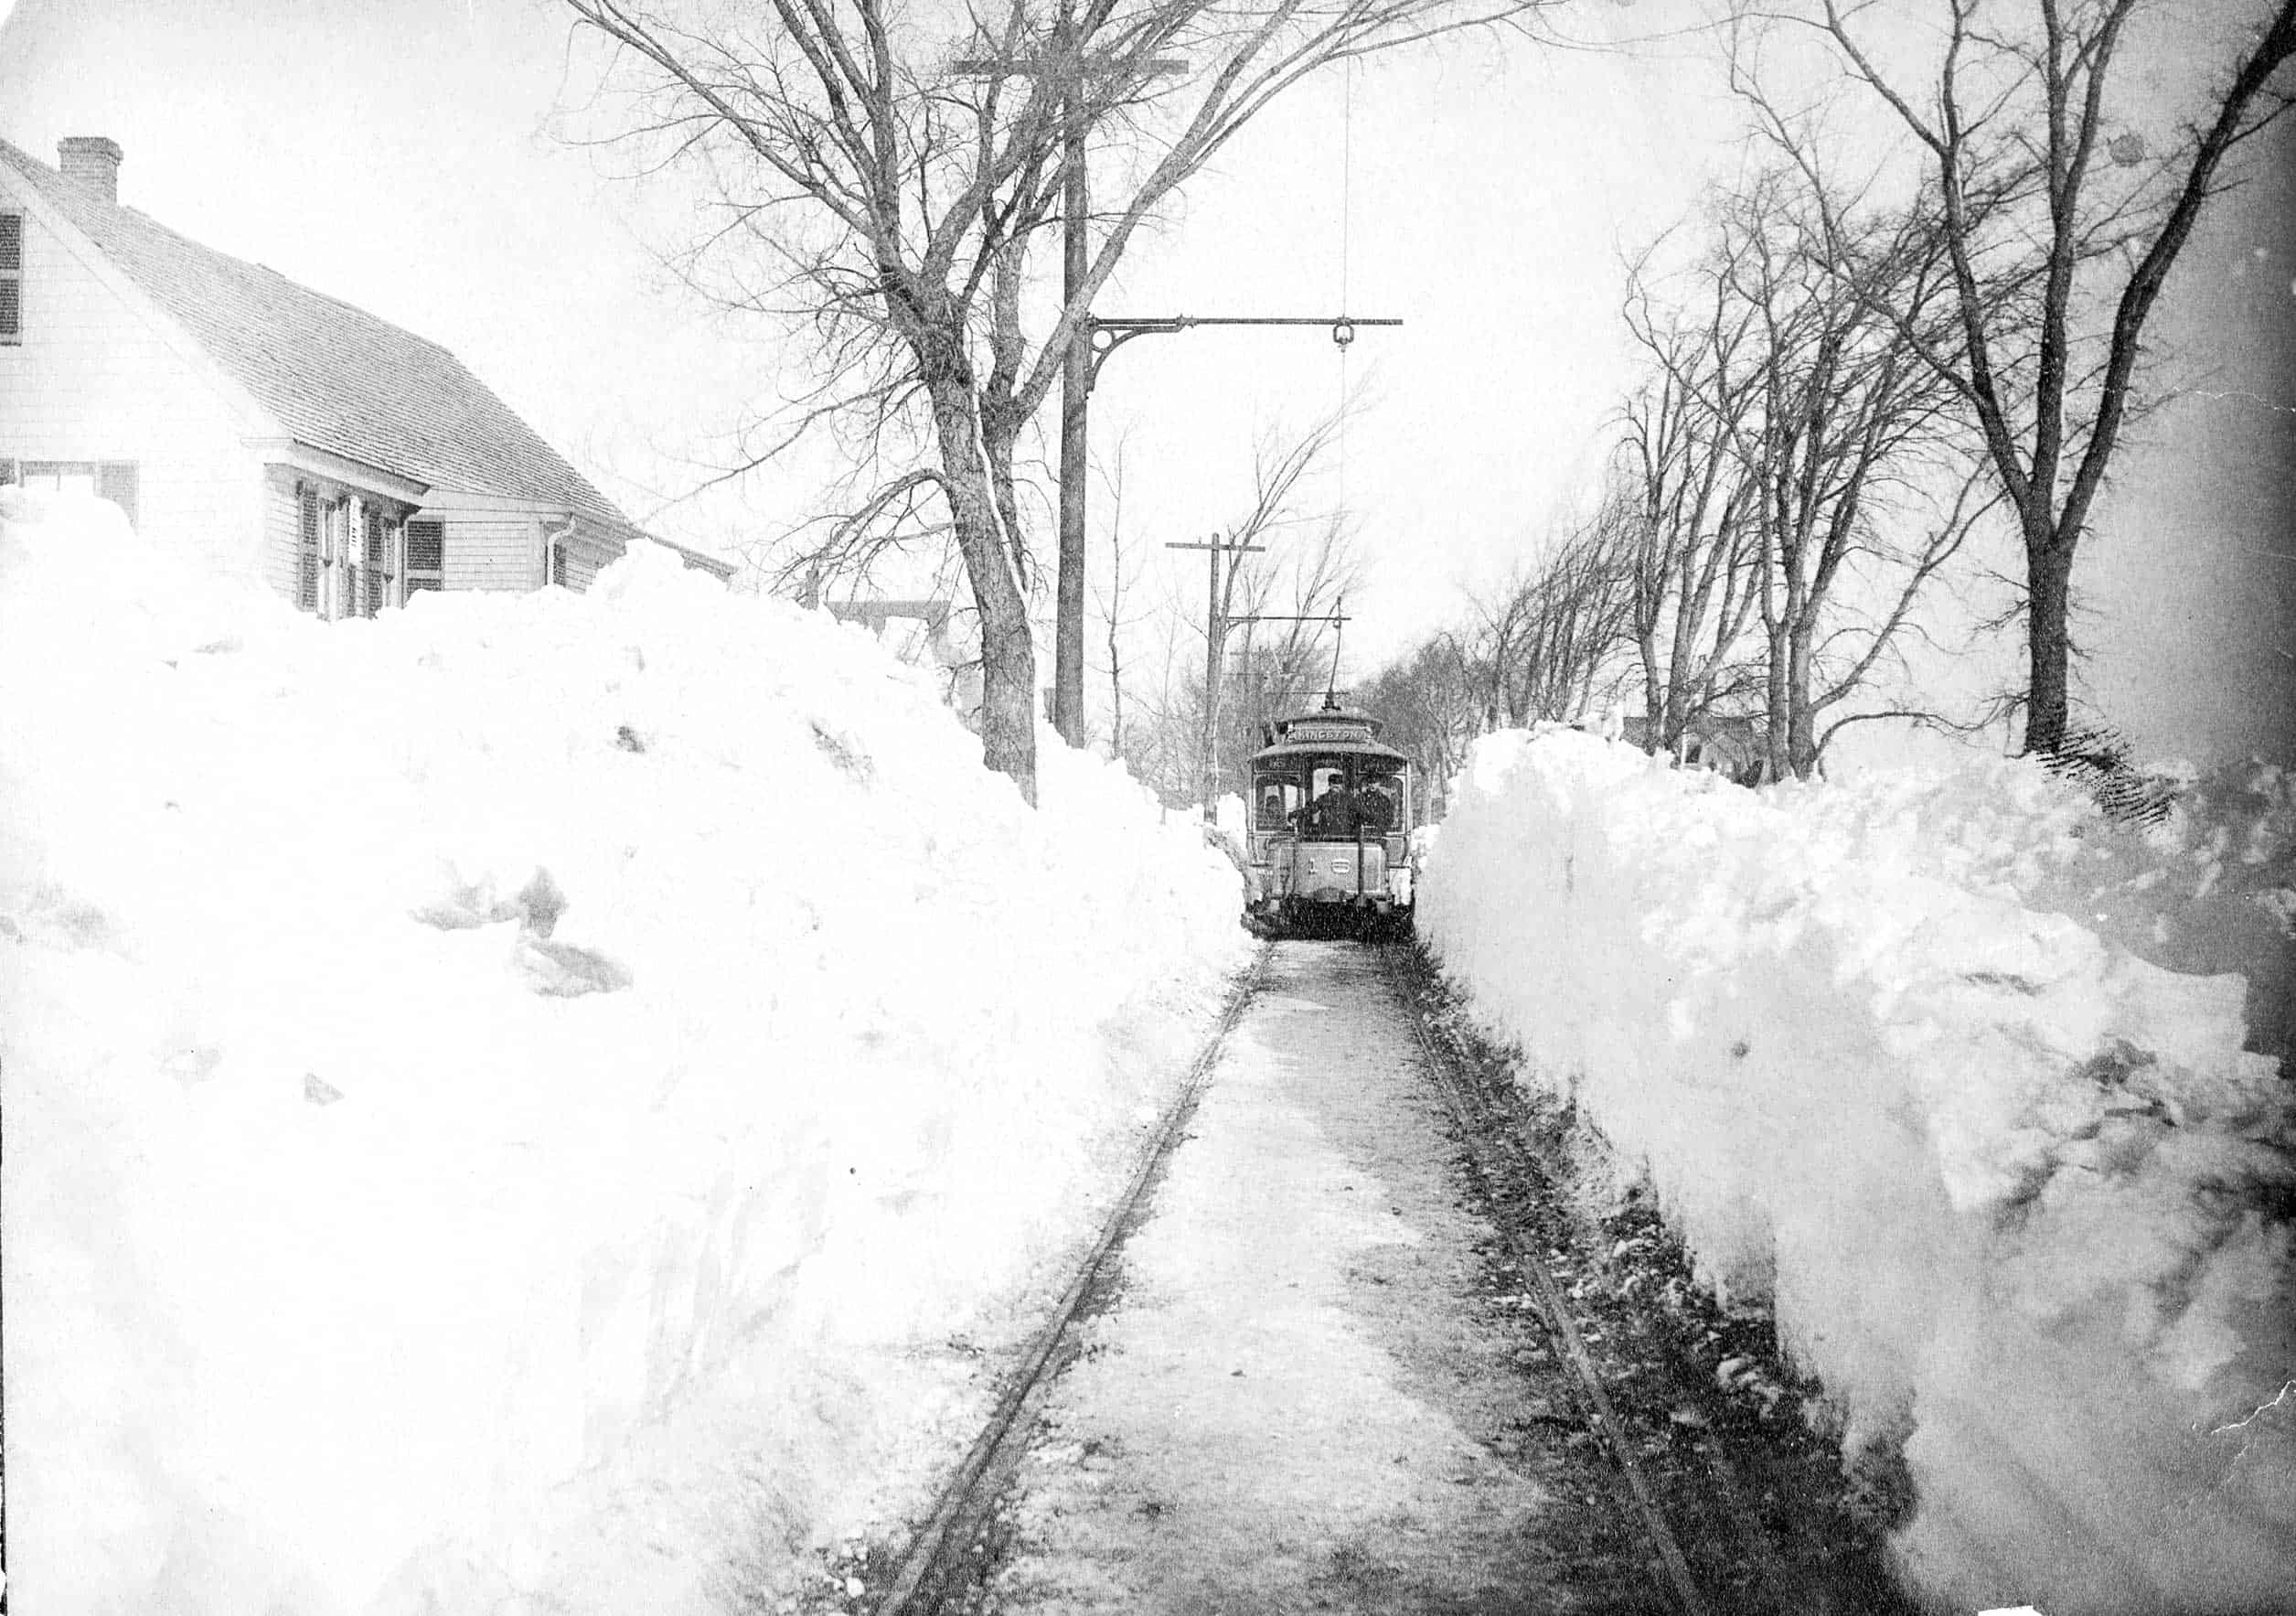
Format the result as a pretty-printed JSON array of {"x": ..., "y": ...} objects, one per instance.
[
  {"x": 1232, "y": 704},
  {"x": 1283, "y": 600},
  {"x": 883, "y": 172},
  {"x": 1796, "y": 470},
  {"x": 1431, "y": 702},
  {"x": 1112, "y": 601},
  {"x": 1271, "y": 634},
  {"x": 1552, "y": 631},
  {"x": 1289, "y": 658},
  {"x": 1160, "y": 743},
  {"x": 1679, "y": 482},
  {"x": 2059, "y": 228},
  {"x": 1850, "y": 429}
]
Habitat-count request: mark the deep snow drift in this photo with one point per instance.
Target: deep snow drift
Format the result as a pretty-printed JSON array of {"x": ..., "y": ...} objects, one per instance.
[
  {"x": 2008, "y": 1186},
  {"x": 501, "y": 1099}
]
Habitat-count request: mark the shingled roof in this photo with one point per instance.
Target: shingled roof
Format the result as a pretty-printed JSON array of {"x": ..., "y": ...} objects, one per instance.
[{"x": 337, "y": 378}]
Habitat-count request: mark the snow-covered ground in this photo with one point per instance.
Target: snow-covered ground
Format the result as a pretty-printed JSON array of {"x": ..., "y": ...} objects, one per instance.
[
  {"x": 502, "y": 1099},
  {"x": 1891, "y": 1055}
]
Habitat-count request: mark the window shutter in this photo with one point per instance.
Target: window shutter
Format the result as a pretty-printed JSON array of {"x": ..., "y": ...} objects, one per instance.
[
  {"x": 115, "y": 481},
  {"x": 308, "y": 547},
  {"x": 11, "y": 277},
  {"x": 426, "y": 556}
]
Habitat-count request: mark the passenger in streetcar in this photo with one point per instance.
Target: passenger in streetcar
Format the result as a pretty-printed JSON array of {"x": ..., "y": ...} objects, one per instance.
[
  {"x": 1332, "y": 814},
  {"x": 1374, "y": 808}
]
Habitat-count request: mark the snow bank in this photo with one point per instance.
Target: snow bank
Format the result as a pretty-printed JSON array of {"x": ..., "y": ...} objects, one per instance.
[
  {"x": 2018, "y": 1197},
  {"x": 492, "y": 1092}
]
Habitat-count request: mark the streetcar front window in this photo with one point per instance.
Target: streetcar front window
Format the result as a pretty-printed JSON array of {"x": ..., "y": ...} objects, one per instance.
[
  {"x": 1277, "y": 799},
  {"x": 1330, "y": 812},
  {"x": 1379, "y": 803}
]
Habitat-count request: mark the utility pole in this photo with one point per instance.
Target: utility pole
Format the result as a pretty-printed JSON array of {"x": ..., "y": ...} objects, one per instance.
[
  {"x": 1096, "y": 339},
  {"x": 1068, "y": 611},
  {"x": 1216, "y": 640},
  {"x": 1082, "y": 373},
  {"x": 1074, "y": 70}
]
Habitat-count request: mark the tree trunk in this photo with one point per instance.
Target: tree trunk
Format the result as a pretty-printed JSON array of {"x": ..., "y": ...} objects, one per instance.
[
  {"x": 1653, "y": 691},
  {"x": 996, "y": 441},
  {"x": 1777, "y": 705},
  {"x": 1008, "y": 653},
  {"x": 1801, "y": 719},
  {"x": 2049, "y": 573}
]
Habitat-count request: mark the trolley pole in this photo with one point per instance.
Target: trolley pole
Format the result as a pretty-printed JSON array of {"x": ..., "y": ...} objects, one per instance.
[{"x": 1215, "y": 643}]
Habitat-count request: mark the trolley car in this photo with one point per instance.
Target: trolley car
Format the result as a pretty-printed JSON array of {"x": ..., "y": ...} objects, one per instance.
[{"x": 1331, "y": 811}]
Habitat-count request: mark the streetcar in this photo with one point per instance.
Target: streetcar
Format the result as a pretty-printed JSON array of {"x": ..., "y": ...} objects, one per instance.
[{"x": 1329, "y": 815}]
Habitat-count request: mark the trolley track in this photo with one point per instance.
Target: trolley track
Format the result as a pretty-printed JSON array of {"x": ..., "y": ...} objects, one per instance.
[
  {"x": 1736, "y": 1519},
  {"x": 950, "y": 1554},
  {"x": 1484, "y": 1143},
  {"x": 1720, "y": 1517}
]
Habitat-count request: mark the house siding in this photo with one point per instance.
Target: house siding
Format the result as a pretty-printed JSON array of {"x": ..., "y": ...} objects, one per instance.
[
  {"x": 490, "y": 549},
  {"x": 581, "y": 571},
  {"x": 281, "y": 529},
  {"x": 585, "y": 556},
  {"x": 93, "y": 381}
]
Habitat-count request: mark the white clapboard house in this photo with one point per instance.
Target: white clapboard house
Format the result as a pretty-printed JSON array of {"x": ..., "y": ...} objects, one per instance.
[{"x": 345, "y": 461}]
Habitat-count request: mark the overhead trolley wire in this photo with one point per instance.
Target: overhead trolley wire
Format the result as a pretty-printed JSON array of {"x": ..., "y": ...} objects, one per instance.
[{"x": 1347, "y": 208}]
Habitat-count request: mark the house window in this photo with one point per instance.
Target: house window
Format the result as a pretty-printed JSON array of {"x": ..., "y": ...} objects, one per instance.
[
  {"x": 106, "y": 479},
  {"x": 11, "y": 279},
  {"x": 379, "y": 573},
  {"x": 426, "y": 556},
  {"x": 558, "y": 567}
]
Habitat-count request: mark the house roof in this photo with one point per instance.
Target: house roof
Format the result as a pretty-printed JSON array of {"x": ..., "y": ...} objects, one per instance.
[
  {"x": 336, "y": 377},
  {"x": 717, "y": 566}
]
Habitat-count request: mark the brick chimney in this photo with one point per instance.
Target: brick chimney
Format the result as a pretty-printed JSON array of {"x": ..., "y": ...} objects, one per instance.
[{"x": 92, "y": 162}]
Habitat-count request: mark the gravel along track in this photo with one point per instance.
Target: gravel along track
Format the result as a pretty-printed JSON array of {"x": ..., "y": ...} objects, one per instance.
[{"x": 1350, "y": 1351}]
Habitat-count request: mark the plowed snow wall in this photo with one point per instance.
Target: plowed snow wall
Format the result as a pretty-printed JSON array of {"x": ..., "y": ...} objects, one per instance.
[
  {"x": 532, "y": 1101},
  {"x": 2007, "y": 1187}
]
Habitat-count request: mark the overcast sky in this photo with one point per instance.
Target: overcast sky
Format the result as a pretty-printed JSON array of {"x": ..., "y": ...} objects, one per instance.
[{"x": 400, "y": 155}]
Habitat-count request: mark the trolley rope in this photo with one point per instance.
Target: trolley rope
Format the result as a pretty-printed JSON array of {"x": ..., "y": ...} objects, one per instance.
[{"x": 929, "y": 1568}]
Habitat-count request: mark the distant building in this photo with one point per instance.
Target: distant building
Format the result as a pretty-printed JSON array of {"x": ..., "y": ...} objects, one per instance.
[
  {"x": 343, "y": 460},
  {"x": 1736, "y": 745}
]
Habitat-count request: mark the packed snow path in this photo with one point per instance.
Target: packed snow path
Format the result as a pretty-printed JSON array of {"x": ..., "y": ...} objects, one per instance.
[
  {"x": 1316, "y": 1386},
  {"x": 1290, "y": 1405}
]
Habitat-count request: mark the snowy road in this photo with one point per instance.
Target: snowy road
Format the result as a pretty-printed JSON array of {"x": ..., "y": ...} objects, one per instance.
[{"x": 1299, "y": 1400}]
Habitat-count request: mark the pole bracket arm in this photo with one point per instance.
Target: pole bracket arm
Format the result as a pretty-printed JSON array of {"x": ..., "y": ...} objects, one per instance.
[{"x": 1105, "y": 337}]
